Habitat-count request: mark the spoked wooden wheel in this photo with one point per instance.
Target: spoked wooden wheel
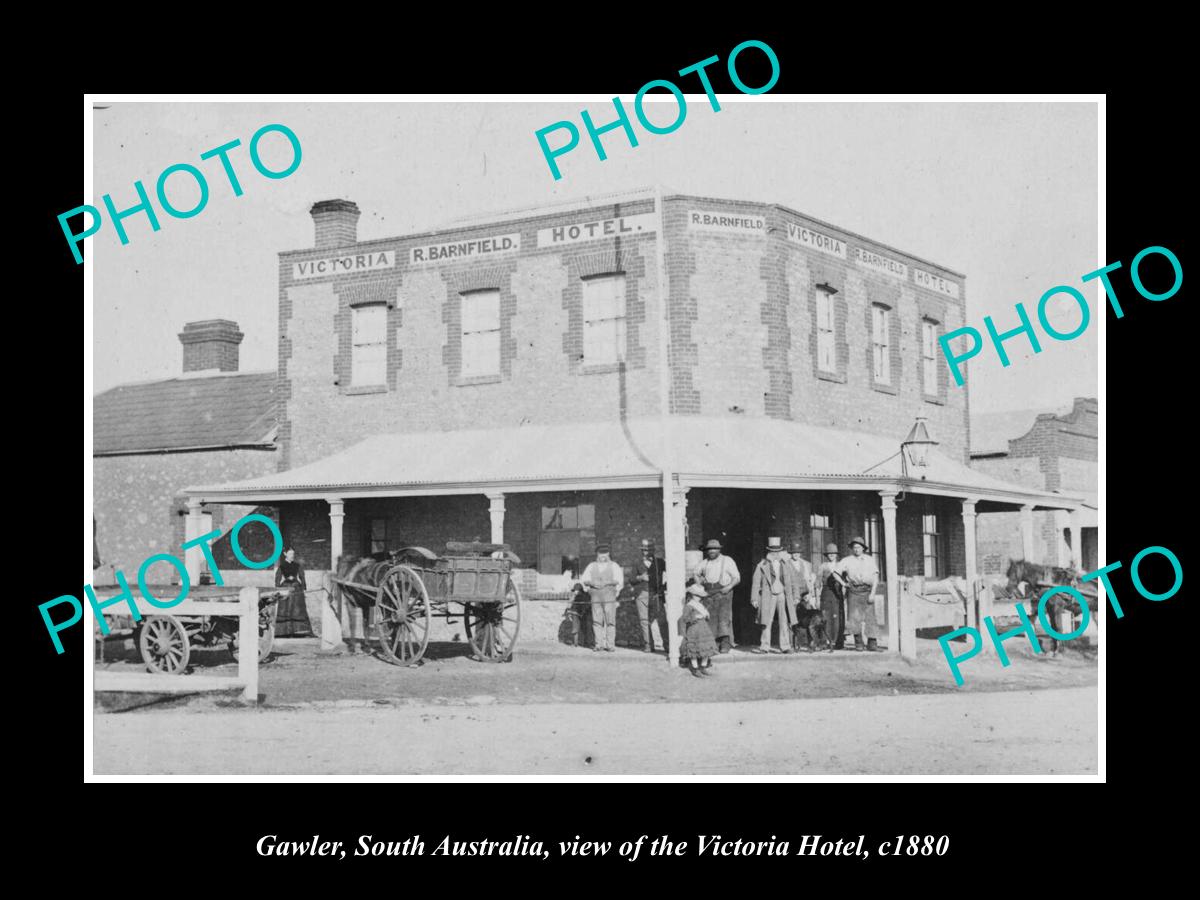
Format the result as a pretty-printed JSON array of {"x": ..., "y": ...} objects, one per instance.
[
  {"x": 492, "y": 628},
  {"x": 403, "y": 611},
  {"x": 266, "y": 633},
  {"x": 164, "y": 645}
]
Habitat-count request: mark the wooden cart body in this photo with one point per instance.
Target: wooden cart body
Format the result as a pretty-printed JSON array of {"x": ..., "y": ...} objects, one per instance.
[
  {"x": 472, "y": 580},
  {"x": 165, "y": 640},
  {"x": 1062, "y": 610}
]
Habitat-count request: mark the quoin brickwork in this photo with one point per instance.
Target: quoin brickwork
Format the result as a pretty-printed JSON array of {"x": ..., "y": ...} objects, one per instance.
[{"x": 1058, "y": 452}]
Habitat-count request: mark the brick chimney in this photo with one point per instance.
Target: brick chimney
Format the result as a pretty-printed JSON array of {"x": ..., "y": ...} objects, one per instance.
[
  {"x": 336, "y": 223},
  {"x": 211, "y": 344}
]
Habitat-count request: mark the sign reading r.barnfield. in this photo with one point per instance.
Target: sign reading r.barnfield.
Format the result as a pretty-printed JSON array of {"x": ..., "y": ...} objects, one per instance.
[
  {"x": 871, "y": 260},
  {"x": 699, "y": 220},
  {"x": 489, "y": 246}
]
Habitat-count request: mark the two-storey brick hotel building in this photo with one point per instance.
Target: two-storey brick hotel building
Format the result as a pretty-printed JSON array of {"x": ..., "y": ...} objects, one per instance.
[{"x": 504, "y": 379}]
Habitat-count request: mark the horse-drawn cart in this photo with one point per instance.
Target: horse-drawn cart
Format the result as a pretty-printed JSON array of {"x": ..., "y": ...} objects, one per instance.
[
  {"x": 165, "y": 639},
  {"x": 1028, "y": 582},
  {"x": 412, "y": 585}
]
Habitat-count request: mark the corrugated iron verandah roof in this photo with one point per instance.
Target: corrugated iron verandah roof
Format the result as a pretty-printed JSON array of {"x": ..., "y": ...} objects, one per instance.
[{"x": 709, "y": 452}]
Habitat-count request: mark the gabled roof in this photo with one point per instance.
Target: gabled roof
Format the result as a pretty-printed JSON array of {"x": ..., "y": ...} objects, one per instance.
[
  {"x": 209, "y": 411},
  {"x": 708, "y": 451}
]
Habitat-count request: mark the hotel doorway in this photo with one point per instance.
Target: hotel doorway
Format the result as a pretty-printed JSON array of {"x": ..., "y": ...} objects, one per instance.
[{"x": 742, "y": 521}]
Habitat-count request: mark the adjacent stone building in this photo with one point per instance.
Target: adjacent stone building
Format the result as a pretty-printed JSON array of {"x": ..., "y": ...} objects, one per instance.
[
  {"x": 1048, "y": 450},
  {"x": 151, "y": 439}
]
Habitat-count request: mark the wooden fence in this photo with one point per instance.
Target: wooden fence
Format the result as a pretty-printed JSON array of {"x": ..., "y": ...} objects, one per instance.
[{"x": 244, "y": 606}]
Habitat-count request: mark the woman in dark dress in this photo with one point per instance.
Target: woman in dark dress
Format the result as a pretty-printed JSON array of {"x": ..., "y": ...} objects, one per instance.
[
  {"x": 832, "y": 599},
  {"x": 291, "y": 619}
]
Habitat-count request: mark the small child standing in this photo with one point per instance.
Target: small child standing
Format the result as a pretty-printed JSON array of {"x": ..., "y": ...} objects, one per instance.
[
  {"x": 578, "y": 609},
  {"x": 699, "y": 645}
]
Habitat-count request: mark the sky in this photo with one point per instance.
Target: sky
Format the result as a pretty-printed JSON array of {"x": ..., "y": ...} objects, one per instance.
[{"x": 1005, "y": 193}]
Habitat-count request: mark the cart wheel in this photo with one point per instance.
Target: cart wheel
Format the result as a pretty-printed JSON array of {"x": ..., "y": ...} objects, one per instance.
[
  {"x": 266, "y": 633},
  {"x": 492, "y": 627},
  {"x": 164, "y": 645},
  {"x": 403, "y": 616}
]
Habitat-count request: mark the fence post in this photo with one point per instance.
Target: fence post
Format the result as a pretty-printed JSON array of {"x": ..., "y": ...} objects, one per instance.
[
  {"x": 908, "y": 624},
  {"x": 331, "y": 619},
  {"x": 983, "y": 592},
  {"x": 248, "y": 643}
]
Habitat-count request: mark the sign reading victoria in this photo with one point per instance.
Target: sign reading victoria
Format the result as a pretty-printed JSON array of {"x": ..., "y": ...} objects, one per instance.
[
  {"x": 815, "y": 240},
  {"x": 342, "y": 265}
]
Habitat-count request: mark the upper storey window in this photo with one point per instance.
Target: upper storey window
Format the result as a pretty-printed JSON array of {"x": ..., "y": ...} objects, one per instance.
[
  {"x": 480, "y": 334},
  {"x": 369, "y": 346},
  {"x": 604, "y": 320}
]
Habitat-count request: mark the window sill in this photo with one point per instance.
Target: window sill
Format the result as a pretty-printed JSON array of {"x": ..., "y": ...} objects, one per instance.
[
  {"x": 929, "y": 398},
  {"x": 884, "y": 388},
  {"x": 831, "y": 376},
  {"x": 604, "y": 369},
  {"x": 365, "y": 389},
  {"x": 472, "y": 380}
]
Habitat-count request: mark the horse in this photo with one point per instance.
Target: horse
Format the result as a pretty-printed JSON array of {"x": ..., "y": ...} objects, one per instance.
[
  {"x": 1024, "y": 577},
  {"x": 363, "y": 570}
]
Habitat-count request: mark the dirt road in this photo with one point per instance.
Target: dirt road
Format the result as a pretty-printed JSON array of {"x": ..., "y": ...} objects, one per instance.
[
  {"x": 1012, "y": 732},
  {"x": 544, "y": 672}
]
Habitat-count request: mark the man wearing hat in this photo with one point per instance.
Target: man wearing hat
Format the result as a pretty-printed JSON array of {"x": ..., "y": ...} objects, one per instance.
[
  {"x": 832, "y": 590},
  {"x": 805, "y": 584},
  {"x": 604, "y": 580},
  {"x": 861, "y": 575},
  {"x": 650, "y": 578},
  {"x": 774, "y": 591},
  {"x": 718, "y": 575},
  {"x": 805, "y": 598}
]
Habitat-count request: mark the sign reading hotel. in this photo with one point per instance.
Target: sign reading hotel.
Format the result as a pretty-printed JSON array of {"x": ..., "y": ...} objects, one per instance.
[
  {"x": 699, "y": 220},
  {"x": 342, "y": 265},
  {"x": 623, "y": 226},
  {"x": 806, "y": 237},
  {"x": 457, "y": 250},
  {"x": 871, "y": 260},
  {"x": 935, "y": 283}
]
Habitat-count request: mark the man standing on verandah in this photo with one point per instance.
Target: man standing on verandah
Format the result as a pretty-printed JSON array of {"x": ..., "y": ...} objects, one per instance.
[
  {"x": 604, "y": 580},
  {"x": 650, "y": 578},
  {"x": 861, "y": 575},
  {"x": 774, "y": 591},
  {"x": 719, "y": 575}
]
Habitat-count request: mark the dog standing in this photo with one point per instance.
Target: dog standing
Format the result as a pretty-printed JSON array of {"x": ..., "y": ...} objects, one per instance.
[{"x": 808, "y": 634}]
